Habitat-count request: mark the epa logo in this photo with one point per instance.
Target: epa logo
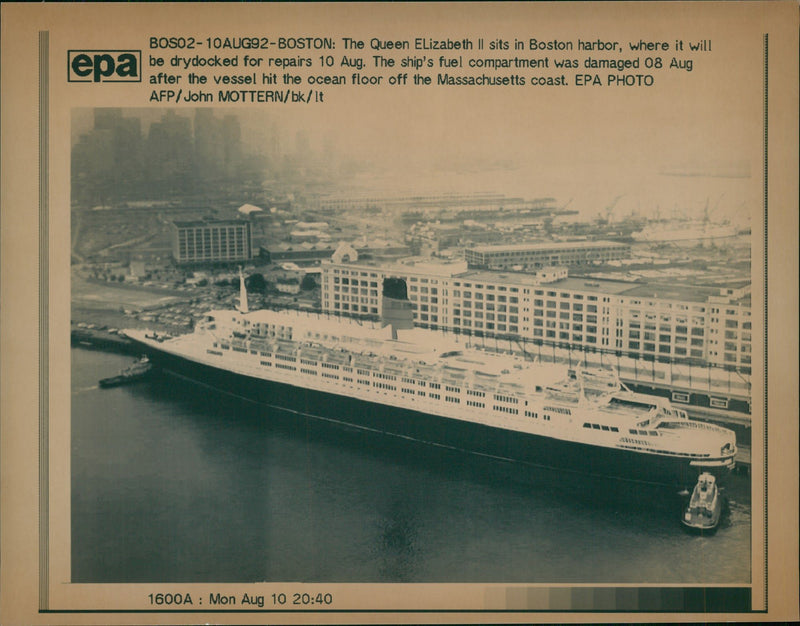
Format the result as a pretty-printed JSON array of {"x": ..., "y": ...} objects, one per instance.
[{"x": 104, "y": 66}]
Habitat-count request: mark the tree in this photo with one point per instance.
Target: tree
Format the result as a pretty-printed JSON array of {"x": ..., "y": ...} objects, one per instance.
[
  {"x": 308, "y": 283},
  {"x": 256, "y": 282}
]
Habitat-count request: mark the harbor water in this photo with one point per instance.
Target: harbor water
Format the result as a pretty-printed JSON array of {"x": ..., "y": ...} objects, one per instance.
[{"x": 175, "y": 482}]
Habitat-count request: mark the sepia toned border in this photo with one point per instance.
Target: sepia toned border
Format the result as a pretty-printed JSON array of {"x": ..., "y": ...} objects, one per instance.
[{"x": 33, "y": 435}]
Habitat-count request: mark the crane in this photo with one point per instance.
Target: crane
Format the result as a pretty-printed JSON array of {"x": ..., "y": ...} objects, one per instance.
[
  {"x": 610, "y": 208},
  {"x": 707, "y": 214}
]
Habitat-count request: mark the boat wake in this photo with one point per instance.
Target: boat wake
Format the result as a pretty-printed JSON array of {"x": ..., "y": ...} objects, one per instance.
[{"x": 85, "y": 389}]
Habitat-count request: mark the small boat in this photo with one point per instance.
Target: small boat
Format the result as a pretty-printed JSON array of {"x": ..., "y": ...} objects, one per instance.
[
  {"x": 135, "y": 372},
  {"x": 705, "y": 505}
]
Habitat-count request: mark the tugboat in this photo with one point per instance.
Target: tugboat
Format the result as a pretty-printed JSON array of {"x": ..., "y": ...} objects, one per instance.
[
  {"x": 135, "y": 372},
  {"x": 705, "y": 505}
]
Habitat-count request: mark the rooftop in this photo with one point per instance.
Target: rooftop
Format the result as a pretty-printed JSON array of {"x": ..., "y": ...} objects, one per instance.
[
  {"x": 208, "y": 222},
  {"x": 600, "y": 286},
  {"x": 664, "y": 291},
  {"x": 547, "y": 245}
]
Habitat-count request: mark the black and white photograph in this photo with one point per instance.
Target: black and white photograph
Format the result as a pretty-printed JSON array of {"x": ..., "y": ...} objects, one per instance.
[
  {"x": 300, "y": 355},
  {"x": 439, "y": 312}
]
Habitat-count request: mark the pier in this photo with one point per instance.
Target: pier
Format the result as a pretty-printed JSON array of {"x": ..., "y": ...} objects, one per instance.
[{"x": 743, "y": 460}]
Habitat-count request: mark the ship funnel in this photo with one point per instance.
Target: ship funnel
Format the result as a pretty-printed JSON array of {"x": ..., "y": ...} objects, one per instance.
[
  {"x": 397, "y": 309},
  {"x": 242, "y": 293}
]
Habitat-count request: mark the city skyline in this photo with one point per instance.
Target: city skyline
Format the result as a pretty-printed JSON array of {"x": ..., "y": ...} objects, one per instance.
[{"x": 651, "y": 170}]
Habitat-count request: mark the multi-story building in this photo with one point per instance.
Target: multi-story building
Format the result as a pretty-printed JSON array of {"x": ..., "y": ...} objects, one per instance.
[
  {"x": 357, "y": 288},
  {"x": 533, "y": 255},
  {"x": 705, "y": 325},
  {"x": 211, "y": 241}
]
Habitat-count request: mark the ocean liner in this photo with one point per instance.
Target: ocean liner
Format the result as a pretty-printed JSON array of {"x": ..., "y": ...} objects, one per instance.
[{"x": 392, "y": 378}]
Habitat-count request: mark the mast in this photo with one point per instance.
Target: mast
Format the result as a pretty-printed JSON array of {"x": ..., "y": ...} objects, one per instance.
[{"x": 242, "y": 293}]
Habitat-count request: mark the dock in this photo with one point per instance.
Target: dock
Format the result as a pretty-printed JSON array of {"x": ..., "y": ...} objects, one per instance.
[
  {"x": 101, "y": 340},
  {"x": 743, "y": 463}
]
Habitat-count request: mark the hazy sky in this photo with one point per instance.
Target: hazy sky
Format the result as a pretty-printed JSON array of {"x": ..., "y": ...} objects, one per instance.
[{"x": 691, "y": 138}]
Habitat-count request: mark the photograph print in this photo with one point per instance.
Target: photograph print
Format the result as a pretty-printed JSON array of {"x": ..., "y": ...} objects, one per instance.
[{"x": 463, "y": 347}]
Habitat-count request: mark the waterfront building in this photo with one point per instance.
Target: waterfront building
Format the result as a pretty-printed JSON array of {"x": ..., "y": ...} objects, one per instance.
[
  {"x": 664, "y": 322},
  {"x": 534, "y": 255},
  {"x": 211, "y": 241}
]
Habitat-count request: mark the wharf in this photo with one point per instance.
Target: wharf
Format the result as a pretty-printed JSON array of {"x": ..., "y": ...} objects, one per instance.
[
  {"x": 101, "y": 340},
  {"x": 743, "y": 458},
  {"x": 719, "y": 416}
]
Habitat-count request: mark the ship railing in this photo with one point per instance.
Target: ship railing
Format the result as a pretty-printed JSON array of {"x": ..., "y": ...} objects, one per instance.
[
  {"x": 675, "y": 423},
  {"x": 335, "y": 358}
]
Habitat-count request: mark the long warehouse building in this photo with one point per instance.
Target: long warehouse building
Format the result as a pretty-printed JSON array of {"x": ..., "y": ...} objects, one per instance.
[
  {"x": 535, "y": 255},
  {"x": 705, "y": 325}
]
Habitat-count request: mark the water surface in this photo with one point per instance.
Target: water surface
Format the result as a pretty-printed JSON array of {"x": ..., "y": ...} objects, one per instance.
[{"x": 174, "y": 482}]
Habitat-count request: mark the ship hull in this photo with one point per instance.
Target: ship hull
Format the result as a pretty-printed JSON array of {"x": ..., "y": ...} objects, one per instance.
[{"x": 411, "y": 425}]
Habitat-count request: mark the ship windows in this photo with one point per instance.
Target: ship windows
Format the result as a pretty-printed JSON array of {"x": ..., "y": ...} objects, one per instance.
[
  {"x": 505, "y": 409},
  {"x": 508, "y": 399},
  {"x": 612, "y": 429}
]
